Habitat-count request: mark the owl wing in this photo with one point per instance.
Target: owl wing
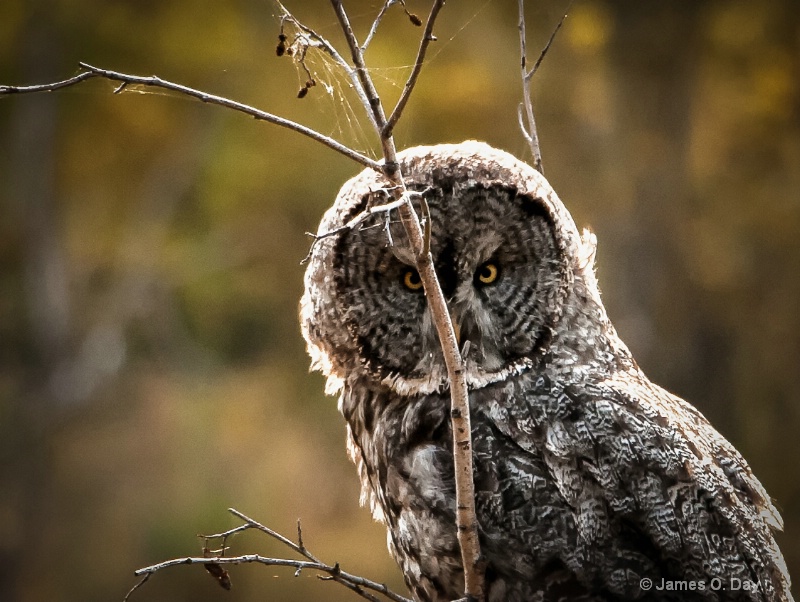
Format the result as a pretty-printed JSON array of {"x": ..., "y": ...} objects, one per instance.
[{"x": 651, "y": 489}]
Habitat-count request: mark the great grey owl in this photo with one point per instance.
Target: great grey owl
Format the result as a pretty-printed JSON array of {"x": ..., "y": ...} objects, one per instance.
[{"x": 592, "y": 483}]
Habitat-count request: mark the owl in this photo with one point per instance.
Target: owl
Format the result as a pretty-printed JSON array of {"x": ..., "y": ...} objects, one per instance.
[{"x": 591, "y": 482}]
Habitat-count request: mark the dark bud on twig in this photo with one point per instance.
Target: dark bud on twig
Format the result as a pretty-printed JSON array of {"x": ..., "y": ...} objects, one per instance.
[
  {"x": 220, "y": 574},
  {"x": 411, "y": 16},
  {"x": 299, "y": 528},
  {"x": 215, "y": 570},
  {"x": 304, "y": 90},
  {"x": 281, "y": 49}
]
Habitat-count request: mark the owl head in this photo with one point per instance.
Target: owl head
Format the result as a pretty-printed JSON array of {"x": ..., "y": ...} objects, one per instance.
[{"x": 511, "y": 263}]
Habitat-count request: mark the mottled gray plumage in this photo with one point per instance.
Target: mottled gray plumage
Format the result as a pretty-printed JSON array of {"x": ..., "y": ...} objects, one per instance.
[{"x": 588, "y": 477}]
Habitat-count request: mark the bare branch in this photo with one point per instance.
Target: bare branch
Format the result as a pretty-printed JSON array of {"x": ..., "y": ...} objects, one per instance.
[
  {"x": 386, "y": 5},
  {"x": 253, "y": 524},
  {"x": 156, "y": 82},
  {"x": 373, "y": 100},
  {"x": 375, "y": 24},
  {"x": 229, "y": 532},
  {"x": 546, "y": 48},
  {"x": 356, "y": 584},
  {"x": 139, "y": 584},
  {"x": 48, "y": 87},
  {"x": 427, "y": 38},
  {"x": 339, "y": 576},
  {"x": 529, "y": 131}
]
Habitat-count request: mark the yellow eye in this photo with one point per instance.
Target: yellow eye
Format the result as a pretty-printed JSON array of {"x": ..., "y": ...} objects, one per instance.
[
  {"x": 412, "y": 281},
  {"x": 487, "y": 273}
]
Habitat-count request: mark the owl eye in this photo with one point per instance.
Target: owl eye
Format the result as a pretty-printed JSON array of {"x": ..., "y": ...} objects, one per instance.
[
  {"x": 412, "y": 281},
  {"x": 487, "y": 273}
]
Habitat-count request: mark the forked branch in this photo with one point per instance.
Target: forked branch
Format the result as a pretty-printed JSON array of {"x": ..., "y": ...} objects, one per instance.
[{"x": 213, "y": 564}]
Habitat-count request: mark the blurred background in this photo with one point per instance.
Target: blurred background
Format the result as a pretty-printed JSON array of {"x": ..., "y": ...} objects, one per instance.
[{"x": 152, "y": 372}]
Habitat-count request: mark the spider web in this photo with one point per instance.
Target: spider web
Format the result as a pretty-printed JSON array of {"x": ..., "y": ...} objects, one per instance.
[{"x": 333, "y": 94}]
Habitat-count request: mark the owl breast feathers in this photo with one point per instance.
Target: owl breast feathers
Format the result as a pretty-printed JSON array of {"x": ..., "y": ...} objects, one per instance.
[{"x": 592, "y": 483}]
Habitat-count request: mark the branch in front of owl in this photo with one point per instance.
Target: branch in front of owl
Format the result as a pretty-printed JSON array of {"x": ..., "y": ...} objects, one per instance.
[
  {"x": 213, "y": 561},
  {"x": 466, "y": 521},
  {"x": 386, "y": 208}
]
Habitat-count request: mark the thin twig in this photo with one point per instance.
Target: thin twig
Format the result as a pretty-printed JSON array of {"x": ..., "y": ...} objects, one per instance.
[
  {"x": 338, "y": 575},
  {"x": 254, "y": 524},
  {"x": 386, "y": 5},
  {"x": 373, "y": 101},
  {"x": 48, "y": 87},
  {"x": 157, "y": 82},
  {"x": 139, "y": 584},
  {"x": 529, "y": 131},
  {"x": 228, "y": 533},
  {"x": 324, "y": 43},
  {"x": 375, "y": 24},
  {"x": 354, "y": 583},
  {"x": 546, "y": 48},
  {"x": 347, "y": 579},
  {"x": 427, "y": 38}
]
